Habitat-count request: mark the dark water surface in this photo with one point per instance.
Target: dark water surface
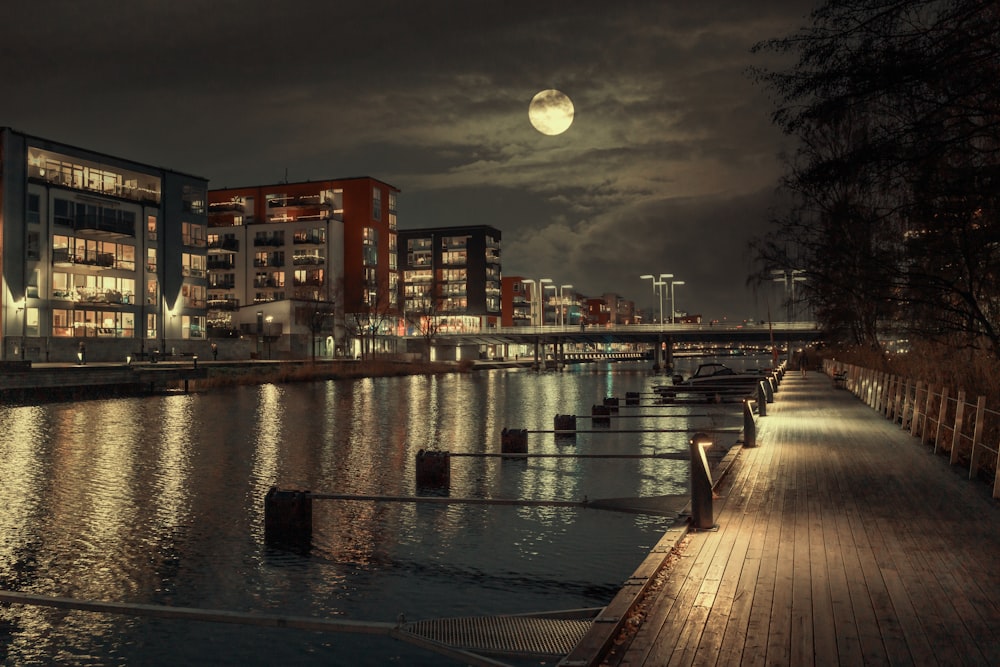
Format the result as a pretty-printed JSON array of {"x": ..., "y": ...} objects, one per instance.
[{"x": 159, "y": 500}]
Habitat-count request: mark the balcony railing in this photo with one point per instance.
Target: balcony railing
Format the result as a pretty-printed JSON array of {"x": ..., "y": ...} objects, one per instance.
[
  {"x": 308, "y": 259},
  {"x": 103, "y": 260},
  {"x": 100, "y": 223},
  {"x": 223, "y": 304},
  {"x": 224, "y": 245}
]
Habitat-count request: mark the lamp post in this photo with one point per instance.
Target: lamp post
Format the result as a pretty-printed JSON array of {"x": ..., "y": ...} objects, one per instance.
[
  {"x": 656, "y": 283},
  {"x": 673, "y": 303},
  {"x": 555, "y": 291},
  {"x": 268, "y": 319},
  {"x": 789, "y": 277},
  {"x": 562, "y": 303},
  {"x": 665, "y": 279}
]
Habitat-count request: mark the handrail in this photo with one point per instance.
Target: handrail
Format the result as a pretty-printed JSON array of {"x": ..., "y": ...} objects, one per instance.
[{"x": 954, "y": 425}]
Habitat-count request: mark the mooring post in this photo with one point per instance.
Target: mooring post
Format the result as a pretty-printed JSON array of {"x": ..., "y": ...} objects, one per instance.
[
  {"x": 631, "y": 398},
  {"x": 514, "y": 441},
  {"x": 761, "y": 400},
  {"x": 612, "y": 402},
  {"x": 433, "y": 469},
  {"x": 565, "y": 427},
  {"x": 287, "y": 517},
  {"x": 749, "y": 425},
  {"x": 702, "y": 510},
  {"x": 600, "y": 415}
]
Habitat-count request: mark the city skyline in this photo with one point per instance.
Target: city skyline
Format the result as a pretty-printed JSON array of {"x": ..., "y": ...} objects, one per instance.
[{"x": 669, "y": 166}]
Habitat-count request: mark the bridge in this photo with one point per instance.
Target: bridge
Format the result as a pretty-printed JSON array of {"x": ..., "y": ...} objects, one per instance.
[
  {"x": 635, "y": 333},
  {"x": 657, "y": 336}
]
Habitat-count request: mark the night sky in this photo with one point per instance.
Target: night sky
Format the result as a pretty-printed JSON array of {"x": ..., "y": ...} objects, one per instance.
[{"x": 670, "y": 165}]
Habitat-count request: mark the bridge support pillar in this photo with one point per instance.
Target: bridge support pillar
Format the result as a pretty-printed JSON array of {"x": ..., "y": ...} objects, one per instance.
[
  {"x": 656, "y": 352},
  {"x": 668, "y": 355}
]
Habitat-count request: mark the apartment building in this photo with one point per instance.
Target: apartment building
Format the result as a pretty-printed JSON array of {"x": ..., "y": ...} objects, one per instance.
[
  {"x": 451, "y": 276},
  {"x": 98, "y": 250},
  {"x": 308, "y": 269}
]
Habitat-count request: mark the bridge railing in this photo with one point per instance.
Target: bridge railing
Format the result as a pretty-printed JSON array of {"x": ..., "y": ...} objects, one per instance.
[
  {"x": 948, "y": 420},
  {"x": 643, "y": 328}
]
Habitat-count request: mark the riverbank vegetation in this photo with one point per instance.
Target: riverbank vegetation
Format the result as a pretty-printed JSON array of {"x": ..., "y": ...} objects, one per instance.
[{"x": 890, "y": 224}]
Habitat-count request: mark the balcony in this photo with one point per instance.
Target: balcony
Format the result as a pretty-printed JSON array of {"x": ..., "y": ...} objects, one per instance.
[
  {"x": 309, "y": 239},
  {"x": 312, "y": 260},
  {"x": 223, "y": 304},
  {"x": 193, "y": 241},
  {"x": 258, "y": 284},
  {"x": 221, "y": 263},
  {"x": 227, "y": 207},
  {"x": 99, "y": 260},
  {"x": 103, "y": 227},
  {"x": 224, "y": 245},
  {"x": 269, "y": 241},
  {"x": 308, "y": 282}
]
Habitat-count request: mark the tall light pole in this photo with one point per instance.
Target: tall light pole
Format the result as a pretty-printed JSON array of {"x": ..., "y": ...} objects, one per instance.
[
  {"x": 789, "y": 277},
  {"x": 555, "y": 290},
  {"x": 673, "y": 303},
  {"x": 562, "y": 303},
  {"x": 531, "y": 299},
  {"x": 656, "y": 283},
  {"x": 665, "y": 279}
]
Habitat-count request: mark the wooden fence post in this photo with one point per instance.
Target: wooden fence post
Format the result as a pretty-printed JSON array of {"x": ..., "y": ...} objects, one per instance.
[
  {"x": 942, "y": 413},
  {"x": 927, "y": 413},
  {"x": 957, "y": 433},
  {"x": 915, "y": 414},
  {"x": 996, "y": 476},
  {"x": 906, "y": 407},
  {"x": 977, "y": 432}
]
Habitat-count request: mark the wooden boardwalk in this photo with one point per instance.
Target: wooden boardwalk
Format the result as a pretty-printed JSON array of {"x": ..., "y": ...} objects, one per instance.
[{"x": 840, "y": 541}]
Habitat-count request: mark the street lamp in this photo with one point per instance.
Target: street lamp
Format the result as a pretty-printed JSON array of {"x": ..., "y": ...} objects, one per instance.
[
  {"x": 673, "y": 303},
  {"x": 562, "y": 303},
  {"x": 665, "y": 278},
  {"x": 554, "y": 292},
  {"x": 656, "y": 283},
  {"x": 539, "y": 285},
  {"x": 268, "y": 319},
  {"x": 789, "y": 277}
]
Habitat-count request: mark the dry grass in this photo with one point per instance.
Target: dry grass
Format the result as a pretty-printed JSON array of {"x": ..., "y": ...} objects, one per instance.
[{"x": 975, "y": 371}]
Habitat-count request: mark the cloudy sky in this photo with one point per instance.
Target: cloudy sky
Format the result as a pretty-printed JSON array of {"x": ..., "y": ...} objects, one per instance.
[{"x": 669, "y": 166}]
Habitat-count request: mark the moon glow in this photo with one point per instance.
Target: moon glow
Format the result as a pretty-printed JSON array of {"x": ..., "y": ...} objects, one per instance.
[{"x": 551, "y": 112}]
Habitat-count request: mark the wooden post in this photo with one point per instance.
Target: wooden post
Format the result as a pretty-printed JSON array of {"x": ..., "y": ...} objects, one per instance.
[
  {"x": 514, "y": 441},
  {"x": 996, "y": 476},
  {"x": 906, "y": 407},
  {"x": 915, "y": 411},
  {"x": 927, "y": 413},
  {"x": 433, "y": 469},
  {"x": 942, "y": 413},
  {"x": 887, "y": 408},
  {"x": 600, "y": 415},
  {"x": 956, "y": 434},
  {"x": 287, "y": 517},
  {"x": 977, "y": 433}
]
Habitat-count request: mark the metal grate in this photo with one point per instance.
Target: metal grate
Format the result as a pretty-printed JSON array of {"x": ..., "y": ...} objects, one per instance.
[{"x": 509, "y": 635}]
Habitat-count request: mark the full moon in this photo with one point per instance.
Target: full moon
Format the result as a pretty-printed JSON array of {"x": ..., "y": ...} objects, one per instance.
[{"x": 551, "y": 112}]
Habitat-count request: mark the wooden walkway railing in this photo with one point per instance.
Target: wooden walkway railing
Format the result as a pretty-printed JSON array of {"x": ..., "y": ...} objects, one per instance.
[{"x": 936, "y": 415}]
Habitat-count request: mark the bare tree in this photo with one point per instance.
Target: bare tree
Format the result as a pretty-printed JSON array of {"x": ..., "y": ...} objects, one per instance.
[
  {"x": 894, "y": 185},
  {"x": 424, "y": 315},
  {"x": 319, "y": 311}
]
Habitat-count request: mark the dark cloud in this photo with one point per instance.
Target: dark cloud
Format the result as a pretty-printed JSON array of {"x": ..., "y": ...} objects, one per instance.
[{"x": 668, "y": 166}]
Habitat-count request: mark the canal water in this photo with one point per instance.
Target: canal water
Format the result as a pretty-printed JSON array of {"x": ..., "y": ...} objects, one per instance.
[{"x": 159, "y": 500}]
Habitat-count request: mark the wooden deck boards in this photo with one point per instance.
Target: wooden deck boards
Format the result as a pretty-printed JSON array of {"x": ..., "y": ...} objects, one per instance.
[{"x": 841, "y": 540}]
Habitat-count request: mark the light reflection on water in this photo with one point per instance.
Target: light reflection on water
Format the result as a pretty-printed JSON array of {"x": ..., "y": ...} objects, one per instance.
[{"x": 160, "y": 500}]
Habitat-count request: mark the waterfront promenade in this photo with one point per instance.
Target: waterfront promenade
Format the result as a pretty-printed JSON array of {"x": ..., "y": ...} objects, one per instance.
[{"x": 840, "y": 540}]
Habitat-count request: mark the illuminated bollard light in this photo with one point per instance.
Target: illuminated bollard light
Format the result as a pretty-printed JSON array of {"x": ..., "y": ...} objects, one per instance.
[
  {"x": 433, "y": 469},
  {"x": 768, "y": 391},
  {"x": 702, "y": 508},
  {"x": 287, "y": 517},
  {"x": 600, "y": 415},
  {"x": 774, "y": 383},
  {"x": 749, "y": 425},
  {"x": 514, "y": 441},
  {"x": 631, "y": 398}
]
